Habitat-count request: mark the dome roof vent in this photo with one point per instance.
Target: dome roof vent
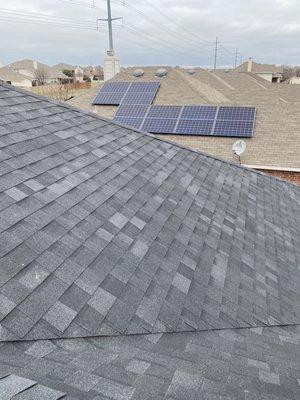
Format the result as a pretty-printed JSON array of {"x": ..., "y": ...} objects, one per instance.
[
  {"x": 137, "y": 73},
  {"x": 161, "y": 72}
]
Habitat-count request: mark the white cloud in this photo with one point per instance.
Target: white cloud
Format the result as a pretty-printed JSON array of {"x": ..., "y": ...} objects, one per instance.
[{"x": 267, "y": 31}]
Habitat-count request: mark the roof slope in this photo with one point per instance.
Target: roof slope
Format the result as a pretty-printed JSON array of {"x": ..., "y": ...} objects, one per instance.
[
  {"x": 32, "y": 66},
  {"x": 261, "y": 363},
  {"x": 258, "y": 68},
  {"x": 276, "y": 143},
  {"x": 108, "y": 231},
  {"x": 8, "y": 75}
]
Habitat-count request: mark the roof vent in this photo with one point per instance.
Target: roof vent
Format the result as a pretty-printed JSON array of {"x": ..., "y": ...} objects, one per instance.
[
  {"x": 191, "y": 71},
  {"x": 161, "y": 72},
  {"x": 138, "y": 72}
]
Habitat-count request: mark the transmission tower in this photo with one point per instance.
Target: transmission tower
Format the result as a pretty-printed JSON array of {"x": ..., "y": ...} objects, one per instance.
[{"x": 109, "y": 21}]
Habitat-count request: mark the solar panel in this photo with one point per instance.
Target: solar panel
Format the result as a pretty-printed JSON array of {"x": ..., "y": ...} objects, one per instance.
[
  {"x": 108, "y": 98},
  {"x": 144, "y": 87},
  {"x": 138, "y": 98},
  {"x": 199, "y": 112},
  {"x": 159, "y": 125},
  {"x": 189, "y": 120},
  {"x": 236, "y": 113},
  {"x": 113, "y": 87},
  {"x": 134, "y": 122},
  {"x": 115, "y": 93},
  {"x": 129, "y": 110},
  {"x": 233, "y": 128},
  {"x": 194, "y": 127},
  {"x": 164, "y": 111}
]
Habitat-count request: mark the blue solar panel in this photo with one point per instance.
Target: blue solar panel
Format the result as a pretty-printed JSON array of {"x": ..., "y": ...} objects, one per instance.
[
  {"x": 113, "y": 87},
  {"x": 236, "y": 113},
  {"x": 199, "y": 112},
  {"x": 144, "y": 87},
  {"x": 188, "y": 120},
  {"x": 128, "y": 110},
  {"x": 134, "y": 122},
  {"x": 164, "y": 112},
  {"x": 159, "y": 125},
  {"x": 138, "y": 98},
  {"x": 108, "y": 98},
  {"x": 233, "y": 128},
  {"x": 194, "y": 127},
  {"x": 113, "y": 93}
]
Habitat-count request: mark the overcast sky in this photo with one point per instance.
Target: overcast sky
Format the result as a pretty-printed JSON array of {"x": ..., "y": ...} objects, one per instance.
[{"x": 182, "y": 33}]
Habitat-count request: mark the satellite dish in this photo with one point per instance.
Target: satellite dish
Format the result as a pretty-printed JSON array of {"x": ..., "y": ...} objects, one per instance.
[{"x": 239, "y": 147}]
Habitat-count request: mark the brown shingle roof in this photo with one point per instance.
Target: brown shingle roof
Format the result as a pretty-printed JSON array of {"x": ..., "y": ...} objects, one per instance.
[
  {"x": 276, "y": 143},
  {"x": 261, "y": 68}
]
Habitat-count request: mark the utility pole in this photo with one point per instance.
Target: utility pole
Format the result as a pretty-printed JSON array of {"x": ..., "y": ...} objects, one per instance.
[
  {"x": 236, "y": 57},
  {"x": 109, "y": 20},
  {"x": 216, "y": 54}
]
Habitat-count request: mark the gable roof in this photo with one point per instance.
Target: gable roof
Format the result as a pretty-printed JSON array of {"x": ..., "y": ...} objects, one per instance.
[
  {"x": 6, "y": 74},
  {"x": 261, "y": 68},
  {"x": 32, "y": 66},
  {"x": 64, "y": 66},
  {"x": 108, "y": 231}
]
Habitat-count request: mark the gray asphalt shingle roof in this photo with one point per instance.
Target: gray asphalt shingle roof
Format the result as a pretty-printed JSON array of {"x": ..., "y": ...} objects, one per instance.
[{"x": 105, "y": 231}]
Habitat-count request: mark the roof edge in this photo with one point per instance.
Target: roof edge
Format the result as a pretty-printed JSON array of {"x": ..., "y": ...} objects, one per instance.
[{"x": 272, "y": 168}]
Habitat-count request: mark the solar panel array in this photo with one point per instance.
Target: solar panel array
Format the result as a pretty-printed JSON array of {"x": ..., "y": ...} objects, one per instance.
[
  {"x": 115, "y": 93},
  {"x": 227, "y": 121}
]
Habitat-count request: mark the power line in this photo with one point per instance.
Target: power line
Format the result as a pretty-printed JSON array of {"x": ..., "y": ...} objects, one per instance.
[
  {"x": 177, "y": 24},
  {"x": 46, "y": 17},
  {"x": 216, "y": 54},
  {"x": 50, "y": 24},
  {"x": 171, "y": 33},
  {"x": 168, "y": 49}
]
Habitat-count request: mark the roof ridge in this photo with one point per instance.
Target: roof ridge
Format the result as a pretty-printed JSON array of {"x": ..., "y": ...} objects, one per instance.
[
  {"x": 140, "y": 334},
  {"x": 96, "y": 116}
]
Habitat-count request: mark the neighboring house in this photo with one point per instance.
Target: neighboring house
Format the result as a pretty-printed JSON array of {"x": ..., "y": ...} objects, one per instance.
[
  {"x": 14, "y": 78},
  {"x": 93, "y": 73},
  {"x": 275, "y": 146},
  {"x": 133, "y": 268},
  {"x": 269, "y": 72},
  {"x": 38, "y": 72},
  {"x": 81, "y": 74},
  {"x": 78, "y": 74},
  {"x": 295, "y": 80}
]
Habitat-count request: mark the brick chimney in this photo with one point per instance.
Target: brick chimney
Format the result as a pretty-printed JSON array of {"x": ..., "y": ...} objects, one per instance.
[{"x": 249, "y": 65}]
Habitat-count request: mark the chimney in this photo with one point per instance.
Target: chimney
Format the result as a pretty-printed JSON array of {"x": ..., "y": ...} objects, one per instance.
[
  {"x": 249, "y": 65},
  {"x": 35, "y": 65}
]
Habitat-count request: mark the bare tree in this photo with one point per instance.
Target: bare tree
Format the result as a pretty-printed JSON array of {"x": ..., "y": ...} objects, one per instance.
[
  {"x": 287, "y": 73},
  {"x": 41, "y": 74}
]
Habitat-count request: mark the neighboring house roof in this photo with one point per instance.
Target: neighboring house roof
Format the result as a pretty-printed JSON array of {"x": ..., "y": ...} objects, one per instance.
[
  {"x": 54, "y": 73},
  {"x": 107, "y": 231},
  {"x": 261, "y": 68},
  {"x": 8, "y": 75},
  {"x": 64, "y": 66},
  {"x": 32, "y": 66},
  {"x": 276, "y": 143}
]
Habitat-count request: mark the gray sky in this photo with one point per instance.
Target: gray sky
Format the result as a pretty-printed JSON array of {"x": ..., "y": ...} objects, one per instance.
[{"x": 182, "y": 33}]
